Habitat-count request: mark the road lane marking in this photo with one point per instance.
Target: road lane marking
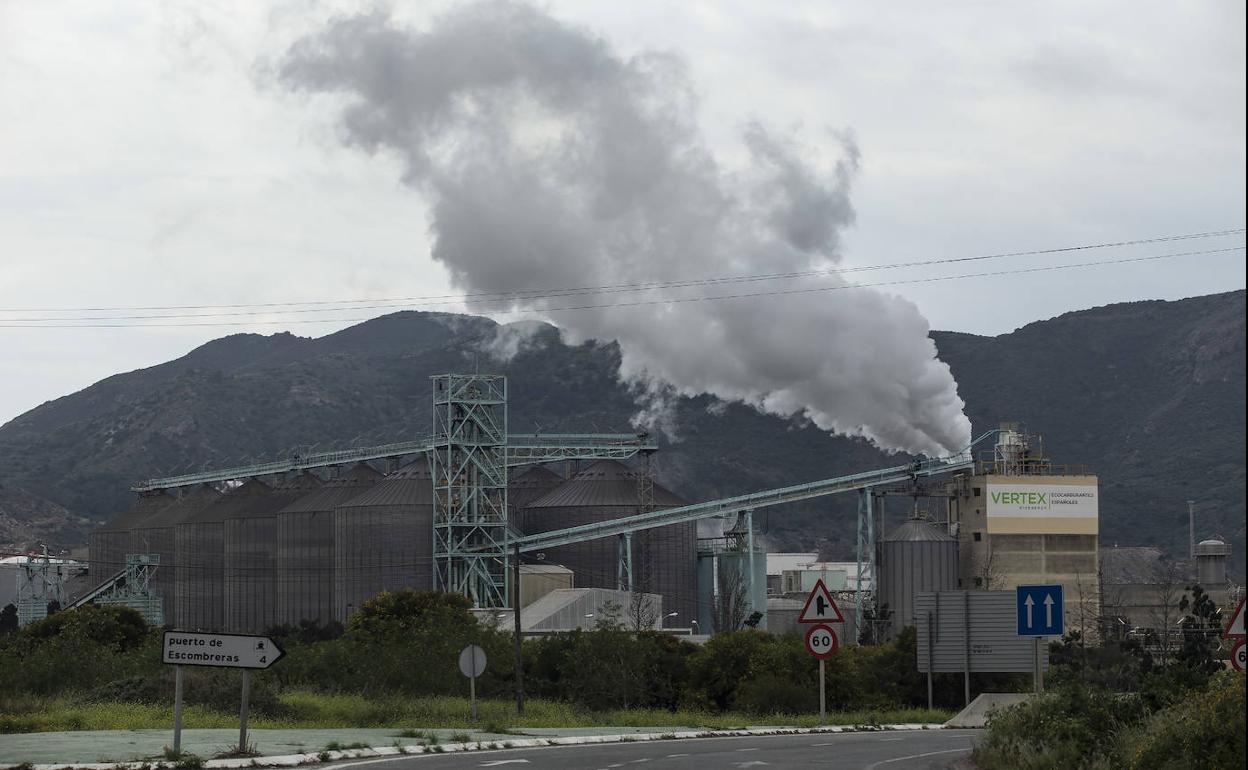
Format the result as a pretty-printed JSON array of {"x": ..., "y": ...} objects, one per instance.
[
  {"x": 673, "y": 756},
  {"x": 913, "y": 756},
  {"x": 754, "y": 749},
  {"x": 497, "y": 762}
]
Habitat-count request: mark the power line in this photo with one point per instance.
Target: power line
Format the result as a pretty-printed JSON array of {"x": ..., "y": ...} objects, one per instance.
[
  {"x": 26, "y": 324},
  {"x": 472, "y": 298}
]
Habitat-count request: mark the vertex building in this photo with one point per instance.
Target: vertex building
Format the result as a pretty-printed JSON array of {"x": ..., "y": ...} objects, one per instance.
[{"x": 1022, "y": 520}]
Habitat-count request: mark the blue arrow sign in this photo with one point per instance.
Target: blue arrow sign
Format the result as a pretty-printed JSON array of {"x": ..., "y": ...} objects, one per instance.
[{"x": 1040, "y": 610}]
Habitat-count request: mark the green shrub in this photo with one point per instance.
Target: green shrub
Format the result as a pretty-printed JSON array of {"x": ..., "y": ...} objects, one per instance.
[{"x": 1203, "y": 731}]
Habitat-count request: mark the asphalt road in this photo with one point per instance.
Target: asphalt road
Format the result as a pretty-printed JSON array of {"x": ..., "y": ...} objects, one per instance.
[{"x": 890, "y": 750}]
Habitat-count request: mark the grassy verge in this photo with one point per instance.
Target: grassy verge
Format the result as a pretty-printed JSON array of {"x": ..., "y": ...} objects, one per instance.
[{"x": 315, "y": 710}]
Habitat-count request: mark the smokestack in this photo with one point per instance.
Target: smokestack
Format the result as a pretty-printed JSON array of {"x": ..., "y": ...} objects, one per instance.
[
  {"x": 548, "y": 159},
  {"x": 1191, "y": 529}
]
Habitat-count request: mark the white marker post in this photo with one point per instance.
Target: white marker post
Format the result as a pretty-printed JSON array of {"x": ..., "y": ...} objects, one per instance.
[
  {"x": 186, "y": 648},
  {"x": 472, "y": 665}
]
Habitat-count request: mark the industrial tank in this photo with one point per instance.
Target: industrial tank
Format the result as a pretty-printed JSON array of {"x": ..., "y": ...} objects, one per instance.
[
  {"x": 155, "y": 534},
  {"x": 304, "y": 556},
  {"x": 1211, "y": 556},
  {"x": 199, "y": 552},
  {"x": 383, "y": 538},
  {"x": 916, "y": 556},
  {"x": 527, "y": 486},
  {"x": 250, "y": 538},
  {"x": 108, "y": 545},
  {"x": 664, "y": 559}
]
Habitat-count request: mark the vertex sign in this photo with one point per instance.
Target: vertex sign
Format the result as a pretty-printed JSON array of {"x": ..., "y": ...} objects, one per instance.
[
  {"x": 1065, "y": 500},
  {"x": 1021, "y": 498}
]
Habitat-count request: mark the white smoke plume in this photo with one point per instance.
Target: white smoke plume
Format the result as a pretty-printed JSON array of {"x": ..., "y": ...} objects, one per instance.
[{"x": 550, "y": 160}]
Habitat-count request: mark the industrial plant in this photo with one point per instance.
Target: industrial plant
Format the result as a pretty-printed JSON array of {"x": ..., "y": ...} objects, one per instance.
[{"x": 570, "y": 526}]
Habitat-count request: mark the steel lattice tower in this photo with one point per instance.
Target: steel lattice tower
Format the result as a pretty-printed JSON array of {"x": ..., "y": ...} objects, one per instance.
[{"x": 469, "y": 467}]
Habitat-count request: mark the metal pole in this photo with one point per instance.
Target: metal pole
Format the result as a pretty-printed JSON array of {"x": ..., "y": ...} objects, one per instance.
[
  {"x": 472, "y": 685},
  {"x": 1041, "y": 650},
  {"x": 515, "y": 604},
  {"x": 929, "y": 660},
  {"x": 749, "y": 543},
  {"x": 823, "y": 712},
  {"x": 966, "y": 638},
  {"x": 177, "y": 711},
  {"x": 242, "y": 712}
]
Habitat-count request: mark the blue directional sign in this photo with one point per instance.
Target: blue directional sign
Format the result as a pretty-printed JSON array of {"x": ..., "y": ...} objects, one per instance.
[{"x": 1040, "y": 610}]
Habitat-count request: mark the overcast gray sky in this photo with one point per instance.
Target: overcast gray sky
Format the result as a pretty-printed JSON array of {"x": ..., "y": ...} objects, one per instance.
[{"x": 145, "y": 159}]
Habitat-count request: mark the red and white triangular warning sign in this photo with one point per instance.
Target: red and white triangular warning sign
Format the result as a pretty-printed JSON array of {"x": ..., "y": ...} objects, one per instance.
[
  {"x": 1236, "y": 628},
  {"x": 820, "y": 607}
]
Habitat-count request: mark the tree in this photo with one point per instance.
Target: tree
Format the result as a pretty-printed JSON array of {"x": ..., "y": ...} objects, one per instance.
[
  {"x": 8, "y": 619},
  {"x": 1167, "y": 579},
  {"x": 729, "y": 611},
  {"x": 643, "y": 614},
  {"x": 1202, "y": 627}
]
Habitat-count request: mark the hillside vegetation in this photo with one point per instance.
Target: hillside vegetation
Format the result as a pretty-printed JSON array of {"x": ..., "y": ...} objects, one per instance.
[{"x": 1149, "y": 395}]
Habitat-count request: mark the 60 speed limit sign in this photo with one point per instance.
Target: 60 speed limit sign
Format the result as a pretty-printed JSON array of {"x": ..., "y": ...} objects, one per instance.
[
  {"x": 821, "y": 641},
  {"x": 1239, "y": 655}
]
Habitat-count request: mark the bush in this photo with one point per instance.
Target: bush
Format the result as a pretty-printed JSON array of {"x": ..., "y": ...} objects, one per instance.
[
  {"x": 79, "y": 650},
  {"x": 1202, "y": 731},
  {"x": 216, "y": 689}
]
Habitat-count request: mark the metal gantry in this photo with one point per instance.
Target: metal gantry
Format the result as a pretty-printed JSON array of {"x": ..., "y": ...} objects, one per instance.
[
  {"x": 865, "y": 552},
  {"x": 469, "y": 466},
  {"x": 522, "y": 449},
  {"x": 131, "y": 587},
  {"x": 42, "y": 582}
]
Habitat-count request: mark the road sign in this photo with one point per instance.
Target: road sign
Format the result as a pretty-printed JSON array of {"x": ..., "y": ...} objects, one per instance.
[
  {"x": 1239, "y": 655},
  {"x": 821, "y": 642},
  {"x": 187, "y": 648},
  {"x": 1039, "y": 610},
  {"x": 1235, "y": 629},
  {"x": 472, "y": 661},
  {"x": 820, "y": 607}
]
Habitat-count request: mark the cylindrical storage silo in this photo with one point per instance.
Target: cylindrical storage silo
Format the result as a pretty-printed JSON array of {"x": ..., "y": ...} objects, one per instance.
[
  {"x": 383, "y": 538},
  {"x": 156, "y": 535},
  {"x": 664, "y": 559},
  {"x": 108, "y": 545},
  {"x": 1211, "y": 556},
  {"x": 250, "y": 537},
  {"x": 305, "y": 548},
  {"x": 199, "y": 551},
  {"x": 915, "y": 557},
  {"x": 525, "y": 487}
]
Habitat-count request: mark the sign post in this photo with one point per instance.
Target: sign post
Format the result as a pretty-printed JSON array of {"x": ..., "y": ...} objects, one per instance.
[
  {"x": 821, "y": 641},
  {"x": 186, "y": 648},
  {"x": 1235, "y": 630},
  {"x": 1040, "y": 613},
  {"x": 472, "y": 665}
]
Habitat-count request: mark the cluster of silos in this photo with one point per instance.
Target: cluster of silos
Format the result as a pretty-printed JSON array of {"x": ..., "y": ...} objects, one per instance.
[
  {"x": 915, "y": 557},
  {"x": 664, "y": 558}
]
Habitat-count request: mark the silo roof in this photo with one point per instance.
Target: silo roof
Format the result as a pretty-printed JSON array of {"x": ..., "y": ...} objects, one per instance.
[
  {"x": 918, "y": 531},
  {"x": 410, "y": 485},
  {"x": 146, "y": 506},
  {"x": 254, "y": 496},
  {"x": 336, "y": 491},
  {"x": 182, "y": 508},
  {"x": 530, "y": 485},
  {"x": 605, "y": 483}
]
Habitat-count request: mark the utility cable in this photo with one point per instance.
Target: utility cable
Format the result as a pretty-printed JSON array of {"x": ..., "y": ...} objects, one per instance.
[
  {"x": 27, "y": 324},
  {"x": 472, "y": 298}
]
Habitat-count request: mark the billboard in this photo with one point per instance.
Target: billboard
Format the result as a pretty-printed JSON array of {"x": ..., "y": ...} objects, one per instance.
[
  {"x": 1066, "y": 500},
  {"x": 971, "y": 631},
  {"x": 1042, "y": 505}
]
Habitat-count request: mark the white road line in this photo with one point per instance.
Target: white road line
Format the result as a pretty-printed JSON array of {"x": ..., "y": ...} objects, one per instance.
[
  {"x": 754, "y": 749},
  {"x": 913, "y": 756},
  {"x": 673, "y": 756}
]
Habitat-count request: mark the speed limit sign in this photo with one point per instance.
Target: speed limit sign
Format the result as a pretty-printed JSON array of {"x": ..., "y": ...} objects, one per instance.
[
  {"x": 1239, "y": 655},
  {"x": 821, "y": 642}
]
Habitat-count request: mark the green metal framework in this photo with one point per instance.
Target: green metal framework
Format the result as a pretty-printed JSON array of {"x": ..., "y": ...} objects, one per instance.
[
  {"x": 522, "y": 449},
  {"x": 42, "y": 582},
  {"x": 469, "y": 465}
]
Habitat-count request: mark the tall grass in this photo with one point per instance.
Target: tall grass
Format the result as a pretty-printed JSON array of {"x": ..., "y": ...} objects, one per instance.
[{"x": 306, "y": 709}]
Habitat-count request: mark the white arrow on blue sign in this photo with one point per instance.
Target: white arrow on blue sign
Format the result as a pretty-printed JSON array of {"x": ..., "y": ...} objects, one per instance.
[{"x": 1040, "y": 610}]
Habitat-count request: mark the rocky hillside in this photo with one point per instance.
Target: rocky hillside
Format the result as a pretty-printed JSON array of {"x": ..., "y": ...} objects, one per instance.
[{"x": 1150, "y": 395}]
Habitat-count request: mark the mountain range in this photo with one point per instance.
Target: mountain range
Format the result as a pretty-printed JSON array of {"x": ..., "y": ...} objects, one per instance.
[{"x": 1148, "y": 395}]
